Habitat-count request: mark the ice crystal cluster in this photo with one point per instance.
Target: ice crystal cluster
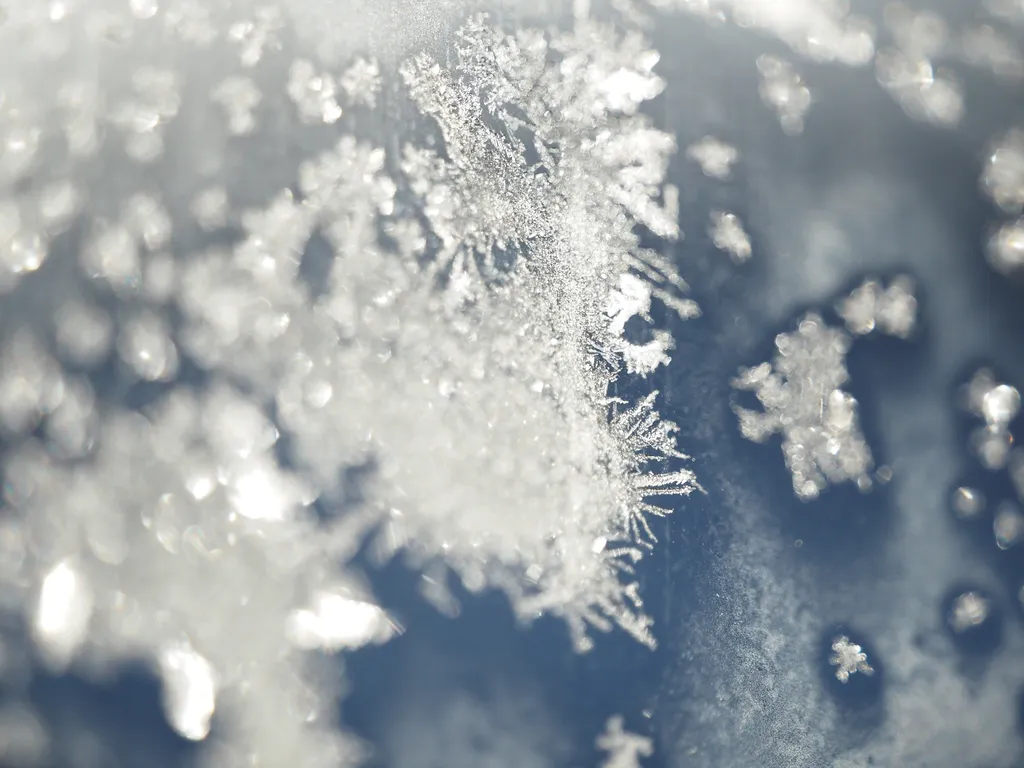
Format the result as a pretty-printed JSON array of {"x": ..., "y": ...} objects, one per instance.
[
  {"x": 245, "y": 338},
  {"x": 715, "y": 157},
  {"x": 969, "y": 610},
  {"x": 623, "y": 747},
  {"x": 848, "y": 658},
  {"x": 1003, "y": 181},
  {"x": 998, "y": 405},
  {"x": 728, "y": 234},
  {"x": 801, "y": 391}
]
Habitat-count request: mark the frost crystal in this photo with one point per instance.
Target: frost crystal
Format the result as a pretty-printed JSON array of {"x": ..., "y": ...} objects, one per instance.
[
  {"x": 1005, "y": 249},
  {"x": 968, "y": 503},
  {"x": 801, "y": 392},
  {"x": 870, "y": 307},
  {"x": 907, "y": 71},
  {"x": 624, "y": 748},
  {"x": 782, "y": 89},
  {"x": 969, "y": 610},
  {"x": 728, "y": 235},
  {"x": 189, "y": 691},
  {"x": 1008, "y": 526},
  {"x": 848, "y": 659},
  {"x": 239, "y": 96},
  {"x": 361, "y": 82},
  {"x": 1003, "y": 176},
  {"x": 282, "y": 304},
  {"x": 715, "y": 157},
  {"x": 313, "y": 93},
  {"x": 998, "y": 405}
]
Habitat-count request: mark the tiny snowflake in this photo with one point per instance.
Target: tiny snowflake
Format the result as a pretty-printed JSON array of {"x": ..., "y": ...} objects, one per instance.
[
  {"x": 728, "y": 235},
  {"x": 715, "y": 157},
  {"x": 782, "y": 89},
  {"x": 623, "y": 747},
  {"x": 969, "y": 610},
  {"x": 801, "y": 392},
  {"x": 848, "y": 658},
  {"x": 998, "y": 404},
  {"x": 361, "y": 82},
  {"x": 870, "y": 306}
]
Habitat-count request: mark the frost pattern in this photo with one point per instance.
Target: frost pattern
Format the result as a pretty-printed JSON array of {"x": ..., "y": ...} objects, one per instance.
[
  {"x": 801, "y": 392},
  {"x": 782, "y": 88},
  {"x": 848, "y": 658},
  {"x": 998, "y": 405},
  {"x": 715, "y": 157},
  {"x": 456, "y": 354},
  {"x": 624, "y": 748},
  {"x": 728, "y": 234},
  {"x": 1002, "y": 179},
  {"x": 994, "y": 444},
  {"x": 891, "y": 310}
]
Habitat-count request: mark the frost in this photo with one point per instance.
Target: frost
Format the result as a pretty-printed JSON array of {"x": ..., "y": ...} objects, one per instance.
[
  {"x": 361, "y": 82},
  {"x": 782, "y": 88},
  {"x": 728, "y": 235},
  {"x": 715, "y": 157},
  {"x": 969, "y": 610},
  {"x": 801, "y": 392},
  {"x": 870, "y": 306},
  {"x": 1008, "y": 526},
  {"x": 1003, "y": 175},
  {"x": 924, "y": 93},
  {"x": 624, "y": 748},
  {"x": 239, "y": 96},
  {"x": 335, "y": 621},
  {"x": 189, "y": 691},
  {"x": 1005, "y": 248},
  {"x": 314, "y": 93},
  {"x": 993, "y": 442},
  {"x": 848, "y": 659},
  {"x": 968, "y": 503},
  {"x": 998, "y": 405},
  {"x": 281, "y": 300},
  {"x": 985, "y": 47}
]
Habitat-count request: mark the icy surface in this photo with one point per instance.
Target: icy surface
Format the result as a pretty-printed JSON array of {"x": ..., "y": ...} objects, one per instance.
[{"x": 293, "y": 289}]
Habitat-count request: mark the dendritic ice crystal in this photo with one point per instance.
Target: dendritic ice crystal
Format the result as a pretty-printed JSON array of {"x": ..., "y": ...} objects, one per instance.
[
  {"x": 801, "y": 389},
  {"x": 801, "y": 392},
  {"x": 849, "y": 658},
  {"x": 200, "y": 430},
  {"x": 625, "y": 749},
  {"x": 891, "y": 310}
]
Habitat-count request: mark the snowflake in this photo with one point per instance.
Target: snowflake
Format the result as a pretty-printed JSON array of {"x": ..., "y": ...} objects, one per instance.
[
  {"x": 728, "y": 235},
  {"x": 782, "y": 88},
  {"x": 848, "y": 659},
  {"x": 969, "y": 610},
  {"x": 891, "y": 310},
  {"x": 624, "y": 748},
  {"x": 801, "y": 391},
  {"x": 998, "y": 405},
  {"x": 715, "y": 157}
]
